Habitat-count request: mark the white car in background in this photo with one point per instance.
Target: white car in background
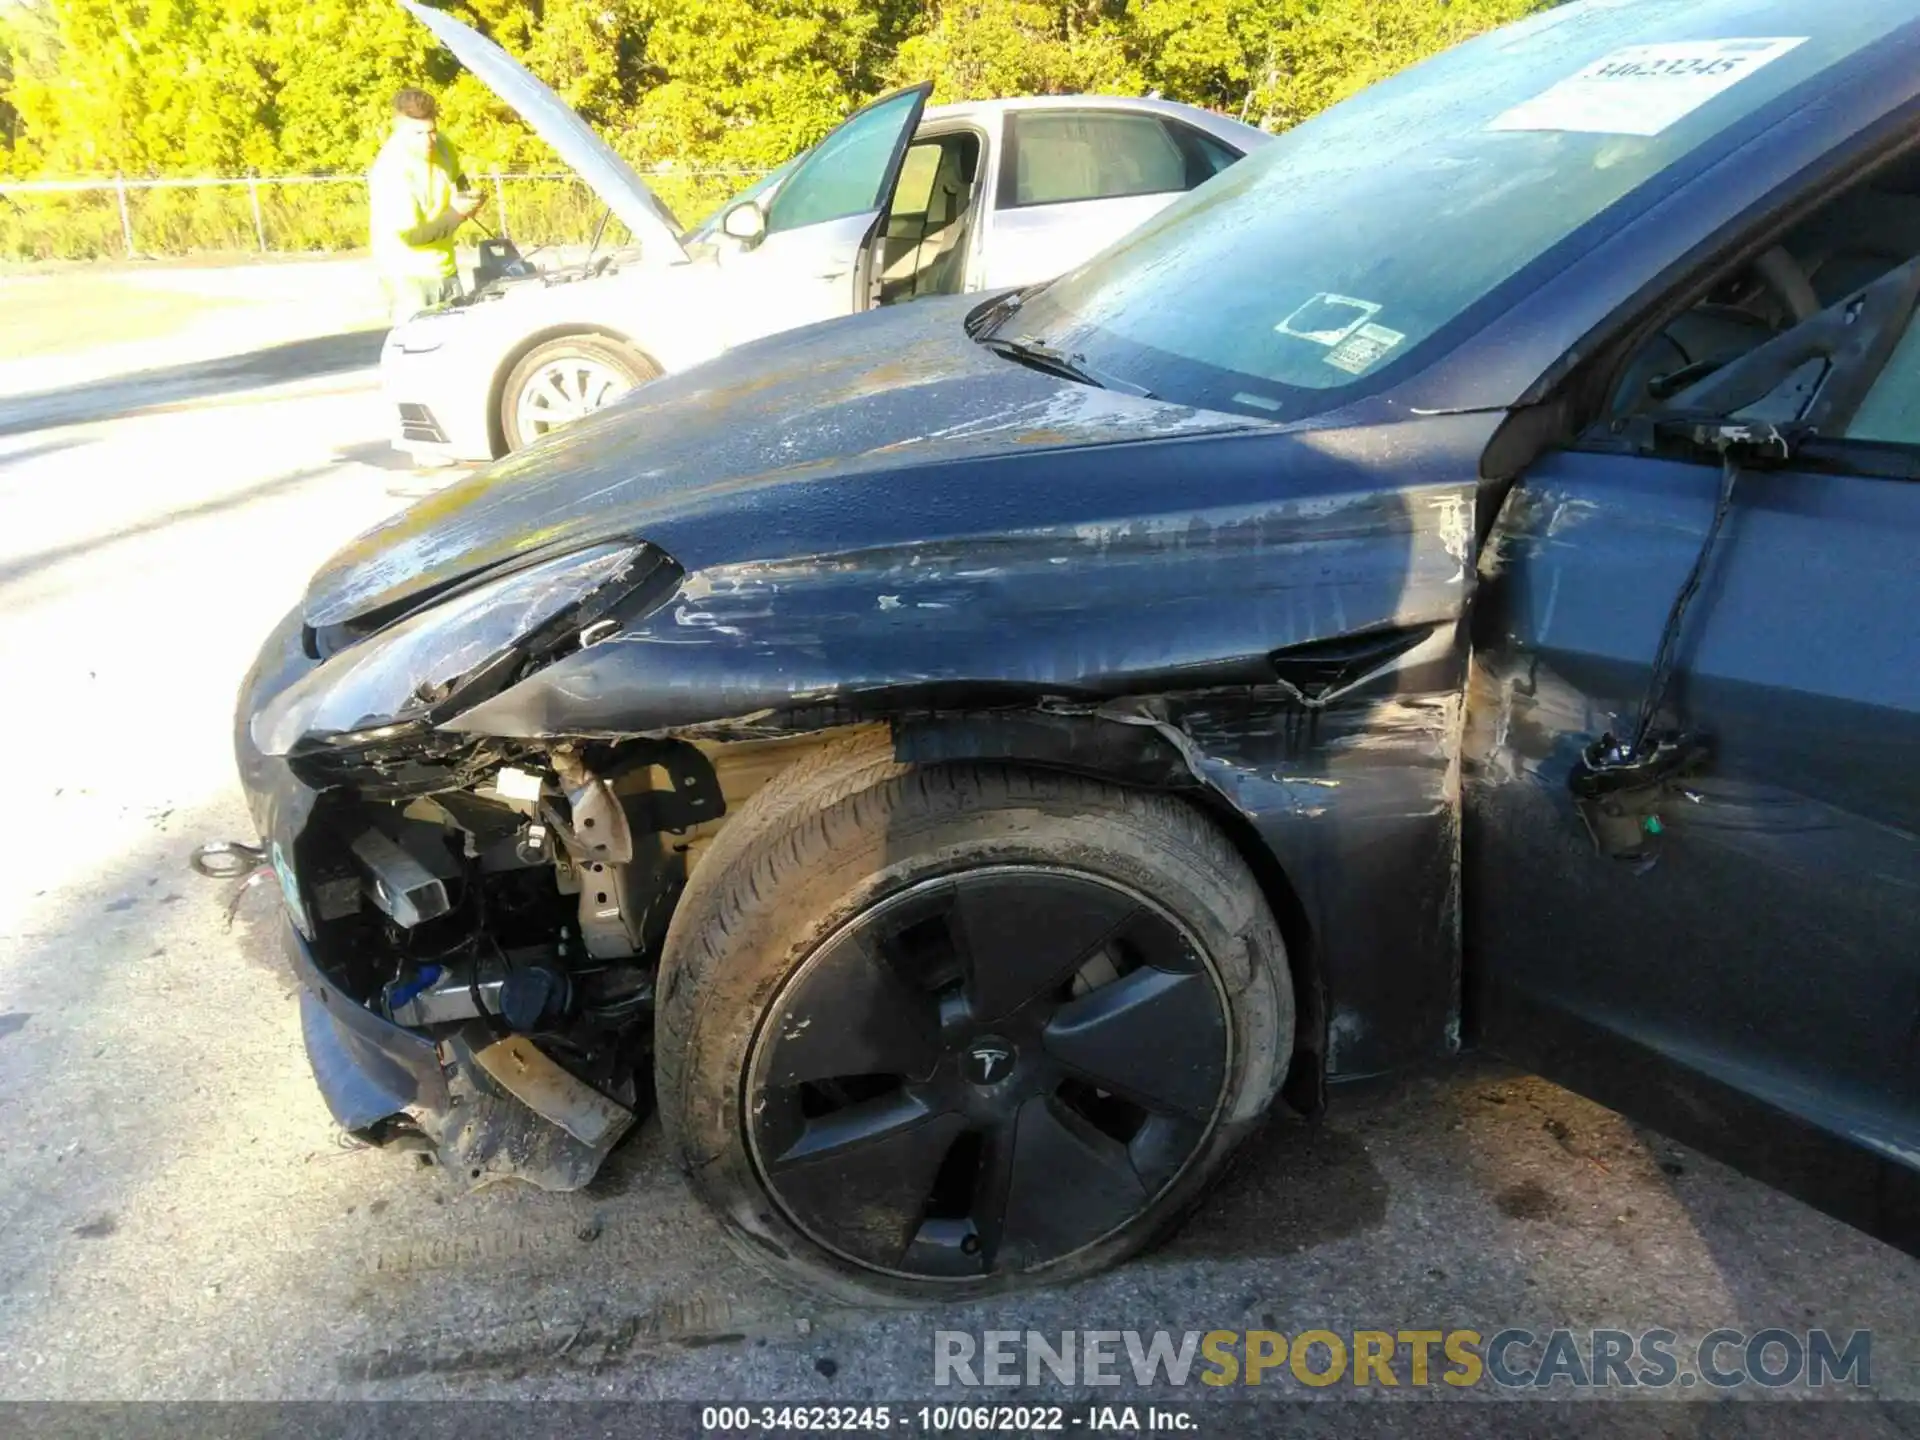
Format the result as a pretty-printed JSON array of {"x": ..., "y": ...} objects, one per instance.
[{"x": 899, "y": 202}]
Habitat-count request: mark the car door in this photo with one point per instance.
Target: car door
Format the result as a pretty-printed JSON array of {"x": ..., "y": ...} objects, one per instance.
[
  {"x": 1721, "y": 938},
  {"x": 811, "y": 263},
  {"x": 1073, "y": 181}
]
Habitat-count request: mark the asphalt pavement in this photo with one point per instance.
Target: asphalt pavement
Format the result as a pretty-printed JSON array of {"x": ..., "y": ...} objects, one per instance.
[{"x": 179, "y": 1218}]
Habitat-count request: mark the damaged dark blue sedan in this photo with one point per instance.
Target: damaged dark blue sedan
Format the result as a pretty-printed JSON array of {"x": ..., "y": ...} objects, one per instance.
[{"x": 1451, "y": 579}]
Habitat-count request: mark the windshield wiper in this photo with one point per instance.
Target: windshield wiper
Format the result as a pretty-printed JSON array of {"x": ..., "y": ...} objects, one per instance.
[
  {"x": 1039, "y": 355},
  {"x": 989, "y": 319}
]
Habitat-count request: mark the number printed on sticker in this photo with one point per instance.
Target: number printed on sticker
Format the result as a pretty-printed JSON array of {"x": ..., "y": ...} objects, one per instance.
[
  {"x": 1363, "y": 349},
  {"x": 1645, "y": 89},
  {"x": 1686, "y": 65}
]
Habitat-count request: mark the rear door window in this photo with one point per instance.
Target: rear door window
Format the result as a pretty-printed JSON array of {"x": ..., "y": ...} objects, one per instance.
[
  {"x": 1206, "y": 156},
  {"x": 1058, "y": 157}
]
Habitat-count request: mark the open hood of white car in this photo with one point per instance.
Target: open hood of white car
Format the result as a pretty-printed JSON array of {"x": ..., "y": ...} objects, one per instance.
[{"x": 612, "y": 178}]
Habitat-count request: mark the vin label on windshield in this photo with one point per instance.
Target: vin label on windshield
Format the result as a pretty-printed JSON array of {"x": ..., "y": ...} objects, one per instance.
[
  {"x": 1361, "y": 350},
  {"x": 1644, "y": 89}
]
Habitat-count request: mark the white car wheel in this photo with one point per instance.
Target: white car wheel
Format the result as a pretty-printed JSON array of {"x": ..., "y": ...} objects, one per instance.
[{"x": 564, "y": 380}]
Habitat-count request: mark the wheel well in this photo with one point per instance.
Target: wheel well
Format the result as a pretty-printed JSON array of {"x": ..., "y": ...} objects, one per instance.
[
  {"x": 1305, "y": 1087},
  {"x": 496, "y": 432},
  {"x": 1118, "y": 754}
]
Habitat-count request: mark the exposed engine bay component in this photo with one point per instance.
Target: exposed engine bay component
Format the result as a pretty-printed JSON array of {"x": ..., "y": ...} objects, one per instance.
[
  {"x": 439, "y": 996},
  {"x": 507, "y": 913},
  {"x": 607, "y": 920},
  {"x": 535, "y": 999},
  {"x": 528, "y": 995},
  {"x": 518, "y": 788},
  {"x": 600, "y": 830},
  {"x": 533, "y": 845},
  {"x": 408, "y": 883},
  {"x": 500, "y": 259}
]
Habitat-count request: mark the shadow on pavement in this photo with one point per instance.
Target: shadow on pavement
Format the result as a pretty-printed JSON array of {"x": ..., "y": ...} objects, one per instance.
[
  {"x": 1293, "y": 1187},
  {"x": 20, "y": 567},
  {"x": 34, "y": 452},
  {"x": 143, "y": 390},
  {"x": 379, "y": 454}
]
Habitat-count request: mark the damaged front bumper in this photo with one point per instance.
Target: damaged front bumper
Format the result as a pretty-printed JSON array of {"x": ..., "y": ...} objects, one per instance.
[
  {"x": 489, "y": 1106},
  {"x": 370, "y": 1070},
  {"x": 465, "y": 1097},
  {"x": 489, "y": 1102}
]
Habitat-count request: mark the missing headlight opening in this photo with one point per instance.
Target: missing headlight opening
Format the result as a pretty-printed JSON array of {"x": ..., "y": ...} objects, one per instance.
[
  {"x": 509, "y": 910},
  {"x": 386, "y": 674}
]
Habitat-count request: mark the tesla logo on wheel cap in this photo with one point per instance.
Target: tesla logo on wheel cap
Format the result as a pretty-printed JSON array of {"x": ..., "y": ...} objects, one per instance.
[{"x": 989, "y": 1062}]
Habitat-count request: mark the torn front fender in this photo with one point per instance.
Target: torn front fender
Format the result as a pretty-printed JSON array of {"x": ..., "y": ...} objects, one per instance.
[{"x": 1188, "y": 598}]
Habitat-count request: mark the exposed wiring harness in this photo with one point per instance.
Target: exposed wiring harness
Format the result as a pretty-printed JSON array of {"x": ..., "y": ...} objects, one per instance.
[{"x": 1662, "y": 677}]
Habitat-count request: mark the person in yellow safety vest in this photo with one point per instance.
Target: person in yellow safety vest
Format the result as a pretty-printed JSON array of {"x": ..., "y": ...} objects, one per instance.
[{"x": 419, "y": 198}]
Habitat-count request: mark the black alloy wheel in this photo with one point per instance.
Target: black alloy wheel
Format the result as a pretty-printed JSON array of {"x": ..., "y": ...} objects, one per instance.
[{"x": 986, "y": 1072}]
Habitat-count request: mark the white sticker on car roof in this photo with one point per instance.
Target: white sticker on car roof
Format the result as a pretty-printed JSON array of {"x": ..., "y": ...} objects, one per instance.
[
  {"x": 1364, "y": 349},
  {"x": 1327, "y": 319},
  {"x": 1644, "y": 89}
]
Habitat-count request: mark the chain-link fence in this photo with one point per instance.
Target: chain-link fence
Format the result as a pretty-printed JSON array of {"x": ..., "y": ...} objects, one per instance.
[{"x": 89, "y": 219}]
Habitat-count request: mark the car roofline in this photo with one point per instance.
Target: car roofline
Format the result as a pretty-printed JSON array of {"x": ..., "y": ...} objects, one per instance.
[{"x": 983, "y": 110}]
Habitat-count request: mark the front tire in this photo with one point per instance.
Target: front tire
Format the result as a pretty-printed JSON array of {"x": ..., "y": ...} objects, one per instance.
[
  {"x": 937, "y": 1033},
  {"x": 564, "y": 380}
]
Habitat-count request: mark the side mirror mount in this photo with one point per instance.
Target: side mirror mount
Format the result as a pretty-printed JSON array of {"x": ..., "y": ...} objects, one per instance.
[{"x": 744, "y": 222}]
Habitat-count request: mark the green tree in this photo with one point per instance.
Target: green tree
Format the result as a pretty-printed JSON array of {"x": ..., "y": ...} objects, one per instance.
[
  {"x": 1276, "y": 62},
  {"x": 107, "y": 87},
  {"x": 974, "y": 49},
  {"x": 1343, "y": 46},
  {"x": 9, "y": 117},
  {"x": 335, "y": 68},
  {"x": 749, "y": 82}
]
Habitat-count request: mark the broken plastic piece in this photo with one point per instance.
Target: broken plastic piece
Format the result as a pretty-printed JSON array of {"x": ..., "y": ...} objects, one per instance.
[
  {"x": 525, "y": 1072},
  {"x": 516, "y": 785}
]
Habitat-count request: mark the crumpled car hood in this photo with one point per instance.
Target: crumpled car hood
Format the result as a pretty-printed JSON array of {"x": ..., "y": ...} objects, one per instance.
[{"x": 811, "y": 442}]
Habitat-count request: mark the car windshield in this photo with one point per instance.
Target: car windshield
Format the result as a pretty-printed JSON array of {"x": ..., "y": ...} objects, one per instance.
[
  {"x": 710, "y": 226},
  {"x": 1316, "y": 267}
]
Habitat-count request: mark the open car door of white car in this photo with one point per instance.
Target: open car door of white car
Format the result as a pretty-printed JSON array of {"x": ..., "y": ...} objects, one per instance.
[{"x": 806, "y": 255}]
